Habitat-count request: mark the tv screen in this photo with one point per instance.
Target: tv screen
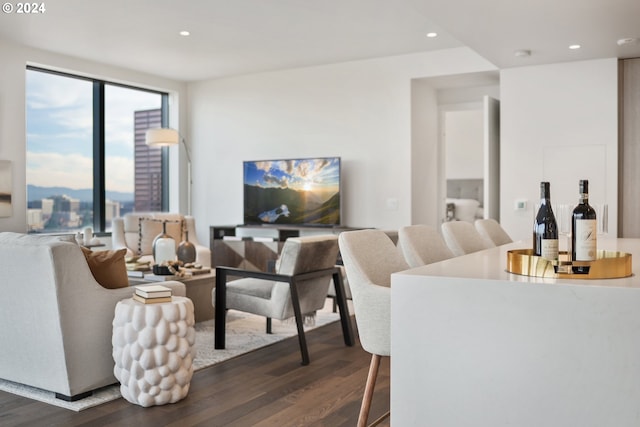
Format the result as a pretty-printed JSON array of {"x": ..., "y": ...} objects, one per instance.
[{"x": 292, "y": 192}]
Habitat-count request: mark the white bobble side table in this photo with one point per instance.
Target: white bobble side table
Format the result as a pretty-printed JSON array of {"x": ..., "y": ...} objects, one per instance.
[{"x": 153, "y": 350}]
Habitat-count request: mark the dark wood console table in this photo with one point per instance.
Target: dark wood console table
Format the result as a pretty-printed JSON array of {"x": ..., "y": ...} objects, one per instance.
[{"x": 257, "y": 253}]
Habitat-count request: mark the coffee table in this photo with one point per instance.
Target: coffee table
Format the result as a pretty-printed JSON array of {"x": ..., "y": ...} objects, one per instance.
[{"x": 199, "y": 290}]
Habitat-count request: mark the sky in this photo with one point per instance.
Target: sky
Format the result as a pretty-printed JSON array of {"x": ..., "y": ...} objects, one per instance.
[{"x": 59, "y": 131}]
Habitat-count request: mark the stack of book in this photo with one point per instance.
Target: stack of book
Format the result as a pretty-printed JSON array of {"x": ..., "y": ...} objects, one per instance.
[{"x": 152, "y": 294}]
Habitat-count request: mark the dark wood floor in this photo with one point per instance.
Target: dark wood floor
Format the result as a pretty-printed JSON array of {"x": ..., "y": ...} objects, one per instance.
[{"x": 267, "y": 387}]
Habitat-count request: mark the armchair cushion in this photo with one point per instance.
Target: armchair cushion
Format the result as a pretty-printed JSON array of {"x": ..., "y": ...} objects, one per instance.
[
  {"x": 251, "y": 286},
  {"x": 108, "y": 267}
]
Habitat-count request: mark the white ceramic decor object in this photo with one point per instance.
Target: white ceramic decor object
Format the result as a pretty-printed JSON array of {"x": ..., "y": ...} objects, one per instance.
[{"x": 88, "y": 235}]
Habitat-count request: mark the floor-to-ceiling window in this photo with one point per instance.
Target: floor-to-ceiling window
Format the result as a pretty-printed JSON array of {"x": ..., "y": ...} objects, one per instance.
[{"x": 86, "y": 157}]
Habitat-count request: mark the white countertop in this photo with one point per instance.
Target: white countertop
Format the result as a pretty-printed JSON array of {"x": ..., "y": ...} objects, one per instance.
[{"x": 491, "y": 264}]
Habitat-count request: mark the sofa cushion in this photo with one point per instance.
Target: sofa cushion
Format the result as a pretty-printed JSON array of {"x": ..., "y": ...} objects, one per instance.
[{"x": 108, "y": 267}]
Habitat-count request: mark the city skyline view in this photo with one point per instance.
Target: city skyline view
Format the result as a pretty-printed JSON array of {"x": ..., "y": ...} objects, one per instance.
[
  {"x": 60, "y": 132},
  {"x": 60, "y": 160}
]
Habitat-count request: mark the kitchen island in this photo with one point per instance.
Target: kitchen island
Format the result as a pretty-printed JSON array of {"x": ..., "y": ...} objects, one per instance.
[{"x": 475, "y": 345}]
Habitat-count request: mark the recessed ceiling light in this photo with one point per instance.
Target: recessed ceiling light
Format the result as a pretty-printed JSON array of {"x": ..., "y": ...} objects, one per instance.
[
  {"x": 184, "y": 33},
  {"x": 628, "y": 40},
  {"x": 522, "y": 53},
  {"x": 432, "y": 35},
  {"x": 574, "y": 46}
]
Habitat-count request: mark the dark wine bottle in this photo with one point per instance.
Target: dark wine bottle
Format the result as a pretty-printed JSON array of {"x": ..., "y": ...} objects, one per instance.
[
  {"x": 583, "y": 230},
  {"x": 545, "y": 228}
]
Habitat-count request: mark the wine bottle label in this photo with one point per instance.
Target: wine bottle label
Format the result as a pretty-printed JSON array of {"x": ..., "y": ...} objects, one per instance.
[
  {"x": 585, "y": 240},
  {"x": 549, "y": 249}
]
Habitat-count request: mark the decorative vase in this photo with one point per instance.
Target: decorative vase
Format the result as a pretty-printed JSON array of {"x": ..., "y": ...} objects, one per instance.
[
  {"x": 88, "y": 235},
  {"x": 164, "y": 247},
  {"x": 186, "y": 250}
]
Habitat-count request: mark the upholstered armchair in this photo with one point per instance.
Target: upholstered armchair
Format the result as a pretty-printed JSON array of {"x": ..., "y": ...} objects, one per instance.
[
  {"x": 463, "y": 238},
  {"x": 136, "y": 232},
  {"x": 422, "y": 244},
  {"x": 491, "y": 230},
  {"x": 370, "y": 257},
  {"x": 393, "y": 235},
  {"x": 56, "y": 319},
  {"x": 298, "y": 288}
]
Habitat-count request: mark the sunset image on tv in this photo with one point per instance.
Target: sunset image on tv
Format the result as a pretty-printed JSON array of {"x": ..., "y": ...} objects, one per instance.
[{"x": 298, "y": 191}]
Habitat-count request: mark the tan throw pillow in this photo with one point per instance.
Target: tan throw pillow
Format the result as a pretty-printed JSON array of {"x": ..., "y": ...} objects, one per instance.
[{"x": 108, "y": 267}]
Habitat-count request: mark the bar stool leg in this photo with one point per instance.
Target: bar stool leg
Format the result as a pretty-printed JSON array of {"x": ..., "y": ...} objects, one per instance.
[{"x": 368, "y": 390}]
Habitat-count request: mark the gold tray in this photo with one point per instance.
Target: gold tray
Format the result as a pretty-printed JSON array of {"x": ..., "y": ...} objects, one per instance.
[{"x": 608, "y": 265}]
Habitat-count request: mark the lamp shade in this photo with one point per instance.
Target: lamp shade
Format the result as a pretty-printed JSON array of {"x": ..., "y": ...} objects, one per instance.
[{"x": 161, "y": 137}]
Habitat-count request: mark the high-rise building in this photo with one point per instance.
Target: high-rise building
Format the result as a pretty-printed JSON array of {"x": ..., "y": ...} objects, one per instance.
[
  {"x": 34, "y": 220},
  {"x": 47, "y": 207},
  {"x": 148, "y": 164},
  {"x": 61, "y": 212}
]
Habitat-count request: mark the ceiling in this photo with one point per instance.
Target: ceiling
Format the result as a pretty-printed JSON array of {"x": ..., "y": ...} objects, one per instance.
[{"x": 231, "y": 37}]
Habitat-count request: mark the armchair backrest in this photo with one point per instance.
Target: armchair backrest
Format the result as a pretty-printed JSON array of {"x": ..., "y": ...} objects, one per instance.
[
  {"x": 491, "y": 230},
  {"x": 304, "y": 255},
  {"x": 30, "y": 290},
  {"x": 463, "y": 238},
  {"x": 310, "y": 253},
  {"x": 370, "y": 257},
  {"x": 422, "y": 244}
]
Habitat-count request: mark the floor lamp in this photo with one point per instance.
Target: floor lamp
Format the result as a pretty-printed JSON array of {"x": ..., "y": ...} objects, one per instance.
[{"x": 164, "y": 137}]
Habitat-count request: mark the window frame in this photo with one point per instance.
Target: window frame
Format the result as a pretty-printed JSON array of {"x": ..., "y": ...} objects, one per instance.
[{"x": 99, "y": 159}]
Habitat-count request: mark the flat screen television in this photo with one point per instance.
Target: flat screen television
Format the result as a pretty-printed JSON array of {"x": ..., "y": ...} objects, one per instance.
[{"x": 302, "y": 192}]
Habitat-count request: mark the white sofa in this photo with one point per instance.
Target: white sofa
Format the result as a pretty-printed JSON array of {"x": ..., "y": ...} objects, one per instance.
[
  {"x": 136, "y": 231},
  {"x": 55, "y": 319}
]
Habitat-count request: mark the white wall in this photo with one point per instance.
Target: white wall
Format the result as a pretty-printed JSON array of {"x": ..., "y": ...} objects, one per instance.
[
  {"x": 358, "y": 110},
  {"x": 464, "y": 144},
  {"x": 432, "y": 97},
  {"x": 558, "y": 123},
  {"x": 425, "y": 154},
  {"x": 13, "y": 63},
  {"x": 365, "y": 112}
]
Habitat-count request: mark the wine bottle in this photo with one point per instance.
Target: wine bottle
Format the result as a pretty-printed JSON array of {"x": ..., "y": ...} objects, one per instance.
[
  {"x": 545, "y": 228},
  {"x": 583, "y": 230}
]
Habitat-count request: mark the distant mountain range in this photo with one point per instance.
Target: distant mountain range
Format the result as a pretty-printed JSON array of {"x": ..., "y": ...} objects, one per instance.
[
  {"x": 288, "y": 206},
  {"x": 35, "y": 192}
]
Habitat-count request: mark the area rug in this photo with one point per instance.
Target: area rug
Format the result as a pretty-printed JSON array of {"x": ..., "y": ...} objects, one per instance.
[{"x": 244, "y": 333}]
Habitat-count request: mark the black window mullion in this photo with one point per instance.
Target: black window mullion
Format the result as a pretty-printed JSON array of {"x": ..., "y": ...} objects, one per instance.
[{"x": 99, "y": 186}]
